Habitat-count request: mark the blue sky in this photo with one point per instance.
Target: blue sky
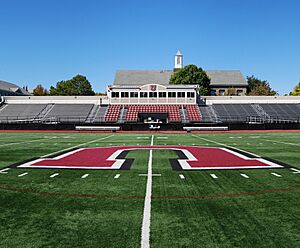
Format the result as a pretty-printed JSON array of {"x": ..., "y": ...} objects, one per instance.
[{"x": 45, "y": 41}]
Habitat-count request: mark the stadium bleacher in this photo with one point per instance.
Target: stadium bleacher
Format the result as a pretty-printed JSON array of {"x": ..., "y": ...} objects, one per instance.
[
  {"x": 19, "y": 112},
  {"x": 70, "y": 112},
  {"x": 282, "y": 111}
]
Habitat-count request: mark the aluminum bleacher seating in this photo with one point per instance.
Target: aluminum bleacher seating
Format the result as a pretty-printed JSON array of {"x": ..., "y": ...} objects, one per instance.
[
  {"x": 282, "y": 111},
  {"x": 20, "y": 112},
  {"x": 235, "y": 112},
  {"x": 70, "y": 112}
]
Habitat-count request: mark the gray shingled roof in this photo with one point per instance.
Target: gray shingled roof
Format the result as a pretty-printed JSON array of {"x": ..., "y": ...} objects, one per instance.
[
  {"x": 142, "y": 77},
  {"x": 5, "y": 86},
  {"x": 230, "y": 78}
]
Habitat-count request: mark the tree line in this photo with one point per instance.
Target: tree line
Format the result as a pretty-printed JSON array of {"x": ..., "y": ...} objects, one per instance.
[{"x": 79, "y": 85}]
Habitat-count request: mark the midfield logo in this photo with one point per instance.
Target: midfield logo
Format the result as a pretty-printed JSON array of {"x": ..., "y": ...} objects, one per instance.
[{"x": 189, "y": 158}]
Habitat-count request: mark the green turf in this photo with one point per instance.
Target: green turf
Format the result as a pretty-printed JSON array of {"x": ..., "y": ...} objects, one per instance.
[{"x": 100, "y": 211}]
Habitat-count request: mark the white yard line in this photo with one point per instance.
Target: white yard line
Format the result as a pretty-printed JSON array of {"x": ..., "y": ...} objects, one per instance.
[
  {"x": 281, "y": 142},
  {"x": 214, "y": 176},
  {"x": 275, "y": 174},
  {"x": 54, "y": 175},
  {"x": 117, "y": 176},
  {"x": 23, "y": 174},
  {"x": 181, "y": 176},
  {"x": 25, "y": 142},
  {"x": 85, "y": 176},
  {"x": 145, "y": 239},
  {"x": 244, "y": 175},
  {"x": 222, "y": 144},
  {"x": 153, "y": 175},
  {"x": 82, "y": 144}
]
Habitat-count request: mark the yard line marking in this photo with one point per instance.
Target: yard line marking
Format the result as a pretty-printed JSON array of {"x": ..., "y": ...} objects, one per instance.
[
  {"x": 82, "y": 144},
  {"x": 275, "y": 174},
  {"x": 222, "y": 144},
  {"x": 281, "y": 142},
  {"x": 296, "y": 171},
  {"x": 23, "y": 174},
  {"x": 244, "y": 175},
  {"x": 25, "y": 142},
  {"x": 54, "y": 175},
  {"x": 117, "y": 176},
  {"x": 153, "y": 175},
  {"x": 85, "y": 176},
  {"x": 181, "y": 176},
  {"x": 145, "y": 238},
  {"x": 214, "y": 176}
]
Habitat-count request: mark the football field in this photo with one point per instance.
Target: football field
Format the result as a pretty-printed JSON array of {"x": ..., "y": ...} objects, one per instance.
[{"x": 149, "y": 190}]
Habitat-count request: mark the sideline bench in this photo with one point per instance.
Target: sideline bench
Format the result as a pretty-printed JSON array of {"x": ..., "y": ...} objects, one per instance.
[
  {"x": 189, "y": 129},
  {"x": 97, "y": 128}
]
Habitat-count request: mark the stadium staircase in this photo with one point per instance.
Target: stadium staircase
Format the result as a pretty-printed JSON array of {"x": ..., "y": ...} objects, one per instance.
[
  {"x": 208, "y": 114},
  {"x": 100, "y": 114},
  {"x": 41, "y": 116},
  {"x": 183, "y": 115},
  {"x": 122, "y": 116},
  {"x": 91, "y": 116}
]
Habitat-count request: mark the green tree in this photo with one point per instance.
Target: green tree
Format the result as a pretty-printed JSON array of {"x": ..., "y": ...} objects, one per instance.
[
  {"x": 77, "y": 86},
  {"x": 296, "y": 91},
  {"x": 191, "y": 74},
  {"x": 257, "y": 87},
  {"x": 39, "y": 90}
]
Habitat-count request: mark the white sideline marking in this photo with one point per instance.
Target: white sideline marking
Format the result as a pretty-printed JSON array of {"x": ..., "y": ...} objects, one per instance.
[
  {"x": 214, "y": 176},
  {"x": 54, "y": 175},
  {"x": 117, "y": 176},
  {"x": 85, "y": 176},
  {"x": 23, "y": 174},
  {"x": 275, "y": 174},
  {"x": 145, "y": 175},
  {"x": 181, "y": 176},
  {"x": 25, "y": 142},
  {"x": 162, "y": 137},
  {"x": 82, "y": 144},
  {"x": 146, "y": 137},
  {"x": 293, "y": 169},
  {"x": 244, "y": 175},
  {"x": 145, "y": 239}
]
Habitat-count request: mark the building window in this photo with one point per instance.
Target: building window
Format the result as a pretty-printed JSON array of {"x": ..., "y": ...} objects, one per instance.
[
  {"x": 172, "y": 94},
  {"x": 213, "y": 93},
  {"x": 222, "y": 92},
  {"x": 190, "y": 94},
  {"x": 152, "y": 94},
  {"x": 143, "y": 94},
  {"x": 181, "y": 94},
  {"x": 239, "y": 92},
  {"x": 115, "y": 95},
  {"x": 124, "y": 94},
  {"x": 134, "y": 94},
  {"x": 162, "y": 94}
]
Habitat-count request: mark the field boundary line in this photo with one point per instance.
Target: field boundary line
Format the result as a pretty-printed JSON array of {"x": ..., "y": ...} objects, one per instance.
[
  {"x": 222, "y": 144},
  {"x": 145, "y": 237},
  {"x": 82, "y": 144},
  {"x": 24, "y": 142}
]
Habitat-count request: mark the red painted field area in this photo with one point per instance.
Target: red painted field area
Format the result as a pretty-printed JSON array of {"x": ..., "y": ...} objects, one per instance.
[{"x": 191, "y": 158}]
